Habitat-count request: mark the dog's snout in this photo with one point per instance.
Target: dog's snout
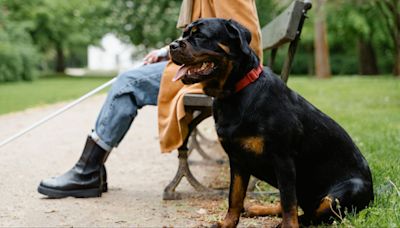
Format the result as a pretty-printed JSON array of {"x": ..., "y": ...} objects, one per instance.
[
  {"x": 174, "y": 45},
  {"x": 177, "y": 44},
  {"x": 182, "y": 44}
]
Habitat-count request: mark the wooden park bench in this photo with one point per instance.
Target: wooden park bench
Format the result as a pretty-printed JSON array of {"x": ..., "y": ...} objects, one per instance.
[{"x": 284, "y": 29}]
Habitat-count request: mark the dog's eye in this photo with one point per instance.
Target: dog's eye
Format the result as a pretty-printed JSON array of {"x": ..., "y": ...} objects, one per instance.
[
  {"x": 201, "y": 35},
  {"x": 185, "y": 33}
]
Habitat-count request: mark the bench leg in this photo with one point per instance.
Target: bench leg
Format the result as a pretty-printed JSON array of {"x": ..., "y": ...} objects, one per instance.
[
  {"x": 204, "y": 138},
  {"x": 183, "y": 170},
  {"x": 195, "y": 145},
  {"x": 196, "y": 137}
]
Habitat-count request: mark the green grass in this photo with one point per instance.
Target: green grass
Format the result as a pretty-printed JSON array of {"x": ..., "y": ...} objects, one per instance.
[
  {"x": 47, "y": 90},
  {"x": 369, "y": 109}
]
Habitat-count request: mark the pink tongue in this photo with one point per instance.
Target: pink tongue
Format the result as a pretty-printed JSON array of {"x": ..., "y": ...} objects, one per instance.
[{"x": 181, "y": 72}]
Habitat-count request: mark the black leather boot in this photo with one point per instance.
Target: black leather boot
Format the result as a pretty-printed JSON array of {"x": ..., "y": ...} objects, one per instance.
[
  {"x": 87, "y": 178},
  {"x": 104, "y": 178}
]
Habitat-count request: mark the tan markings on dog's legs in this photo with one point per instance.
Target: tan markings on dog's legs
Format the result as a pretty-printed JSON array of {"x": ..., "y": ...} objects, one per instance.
[
  {"x": 226, "y": 49},
  {"x": 324, "y": 206},
  {"x": 254, "y": 144},
  {"x": 290, "y": 218},
  {"x": 236, "y": 198},
  {"x": 269, "y": 210}
]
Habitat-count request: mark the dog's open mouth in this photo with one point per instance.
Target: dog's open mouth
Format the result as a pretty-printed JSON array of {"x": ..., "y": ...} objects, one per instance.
[{"x": 195, "y": 72}]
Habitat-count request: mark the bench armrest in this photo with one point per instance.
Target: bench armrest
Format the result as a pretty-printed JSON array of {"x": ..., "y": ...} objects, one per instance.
[{"x": 284, "y": 27}]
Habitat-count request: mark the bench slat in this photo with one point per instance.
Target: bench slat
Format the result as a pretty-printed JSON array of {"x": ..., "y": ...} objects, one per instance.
[
  {"x": 203, "y": 100},
  {"x": 283, "y": 28}
]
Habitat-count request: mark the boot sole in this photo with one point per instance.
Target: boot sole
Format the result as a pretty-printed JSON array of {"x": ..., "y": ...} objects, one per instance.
[{"x": 82, "y": 193}]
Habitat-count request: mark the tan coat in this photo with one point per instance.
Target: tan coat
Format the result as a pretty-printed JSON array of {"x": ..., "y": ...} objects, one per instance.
[{"x": 172, "y": 119}]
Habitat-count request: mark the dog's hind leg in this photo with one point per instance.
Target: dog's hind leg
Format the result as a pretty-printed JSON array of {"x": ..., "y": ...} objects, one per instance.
[
  {"x": 259, "y": 210},
  {"x": 351, "y": 195}
]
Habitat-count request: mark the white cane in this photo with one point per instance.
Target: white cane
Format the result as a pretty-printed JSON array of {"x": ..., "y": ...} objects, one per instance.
[{"x": 58, "y": 112}]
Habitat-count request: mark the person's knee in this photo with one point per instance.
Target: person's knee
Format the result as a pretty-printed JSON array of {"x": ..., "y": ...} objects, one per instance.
[
  {"x": 132, "y": 75},
  {"x": 127, "y": 107},
  {"x": 123, "y": 79},
  {"x": 127, "y": 80}
]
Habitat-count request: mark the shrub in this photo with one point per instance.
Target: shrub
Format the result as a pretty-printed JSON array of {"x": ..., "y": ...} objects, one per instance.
[
  {"x": 18, "y": 56},
  {"x": 17, "y": 62}
]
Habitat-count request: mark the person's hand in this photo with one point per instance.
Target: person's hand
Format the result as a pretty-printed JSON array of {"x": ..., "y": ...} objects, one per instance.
[{"x": 156, "y": 56}]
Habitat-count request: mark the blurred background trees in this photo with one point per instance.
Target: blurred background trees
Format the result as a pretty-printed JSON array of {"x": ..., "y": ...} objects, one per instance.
[
  {"x": 361, "y": 36},
  {"x": 321, "y": 47},
  {"x": 390, "y": 21},
  {"x": 58, "y": 28}
]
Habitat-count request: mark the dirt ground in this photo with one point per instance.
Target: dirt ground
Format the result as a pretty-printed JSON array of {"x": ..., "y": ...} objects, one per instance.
[{"x": 137, "y": 175}]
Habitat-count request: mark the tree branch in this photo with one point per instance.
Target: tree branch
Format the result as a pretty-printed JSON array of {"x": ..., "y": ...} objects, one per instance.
[{"x": 386, "y": 18}]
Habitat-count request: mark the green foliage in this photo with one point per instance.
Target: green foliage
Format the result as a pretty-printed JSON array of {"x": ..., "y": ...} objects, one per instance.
[
  {"x": 68, "y": 23},
  {"x": 61, "y": 30},
  {"x": 17, "y": 62},
  {"x": 18, "y": 56},
  {"x": 350, "y": 21},
  {"x": 267, "y": 10},
  {"x": 146, "y": 22},
  {"x": 57, "y": 27},
  {"x": 153, "y": 23}
]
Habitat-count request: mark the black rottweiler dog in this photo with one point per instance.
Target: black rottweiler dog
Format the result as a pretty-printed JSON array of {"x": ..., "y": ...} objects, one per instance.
[{"x": 270, "y": 131}]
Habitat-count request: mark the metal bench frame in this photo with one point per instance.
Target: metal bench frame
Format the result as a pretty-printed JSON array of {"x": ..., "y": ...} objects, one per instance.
[{"x": 285, "y": 28}]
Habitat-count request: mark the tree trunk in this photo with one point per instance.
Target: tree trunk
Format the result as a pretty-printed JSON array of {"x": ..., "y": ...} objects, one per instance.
[
  {"x": 393, "y": 7},
  {"x": 397, "y": 34},
  {"x": 310, "y": 61},
  {"x": 367, "y": 63},
  {"x": 397, "y": 59},
  {"x": 322, "y": 66},
  {"x": 60, "y": 59}
]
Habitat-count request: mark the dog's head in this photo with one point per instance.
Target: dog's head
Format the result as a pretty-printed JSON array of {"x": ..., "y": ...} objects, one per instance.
[{"x": 214, "y": 52}]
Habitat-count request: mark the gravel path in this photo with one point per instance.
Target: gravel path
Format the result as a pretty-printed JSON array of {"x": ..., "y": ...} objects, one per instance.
[{"x": 137, "y": 175}]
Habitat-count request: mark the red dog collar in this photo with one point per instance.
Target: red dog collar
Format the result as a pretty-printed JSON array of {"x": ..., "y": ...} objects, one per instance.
[{"x": 249, "y": 78}]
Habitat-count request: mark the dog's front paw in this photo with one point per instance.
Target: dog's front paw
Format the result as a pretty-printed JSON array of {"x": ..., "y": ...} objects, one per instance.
[
  {"x": 223, "y": 224},
  {"x": 216, "y": 225},
  {"x": 286, "y": 225}
]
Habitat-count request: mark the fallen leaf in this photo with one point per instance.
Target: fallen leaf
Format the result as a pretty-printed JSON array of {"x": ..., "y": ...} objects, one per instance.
[{"x": 201, "y": 211}]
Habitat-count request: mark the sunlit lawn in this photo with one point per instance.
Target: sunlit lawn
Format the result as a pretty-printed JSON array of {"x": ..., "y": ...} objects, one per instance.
[
  {"x": 367, "y": 107},
  {"x": 48, "y": 90}
]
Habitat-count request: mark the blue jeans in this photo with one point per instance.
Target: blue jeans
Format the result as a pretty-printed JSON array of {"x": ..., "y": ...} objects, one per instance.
[{"x": 131, "y": 91}]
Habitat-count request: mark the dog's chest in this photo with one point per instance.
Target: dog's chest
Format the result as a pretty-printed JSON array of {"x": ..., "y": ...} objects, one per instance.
[
  {"x": 236, "y": 128},
  {"x": 231, "y": 120}
]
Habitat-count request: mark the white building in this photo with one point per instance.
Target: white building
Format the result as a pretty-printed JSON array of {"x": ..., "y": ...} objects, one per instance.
[{"x": 111, "y": 55}]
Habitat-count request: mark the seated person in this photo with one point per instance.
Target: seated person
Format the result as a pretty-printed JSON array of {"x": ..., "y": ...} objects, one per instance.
[{"x": 150, "y": 84}]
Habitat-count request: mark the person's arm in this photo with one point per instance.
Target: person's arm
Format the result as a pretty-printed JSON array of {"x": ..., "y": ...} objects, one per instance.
[{"x": 157, "y": 55}]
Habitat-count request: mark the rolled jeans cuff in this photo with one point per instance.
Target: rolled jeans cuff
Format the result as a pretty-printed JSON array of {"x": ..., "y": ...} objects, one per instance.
[{"x": 100, "y": 142}]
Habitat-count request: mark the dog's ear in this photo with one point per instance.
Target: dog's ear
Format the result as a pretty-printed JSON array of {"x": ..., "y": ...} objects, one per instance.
[{"x": 237, "y": 31}]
